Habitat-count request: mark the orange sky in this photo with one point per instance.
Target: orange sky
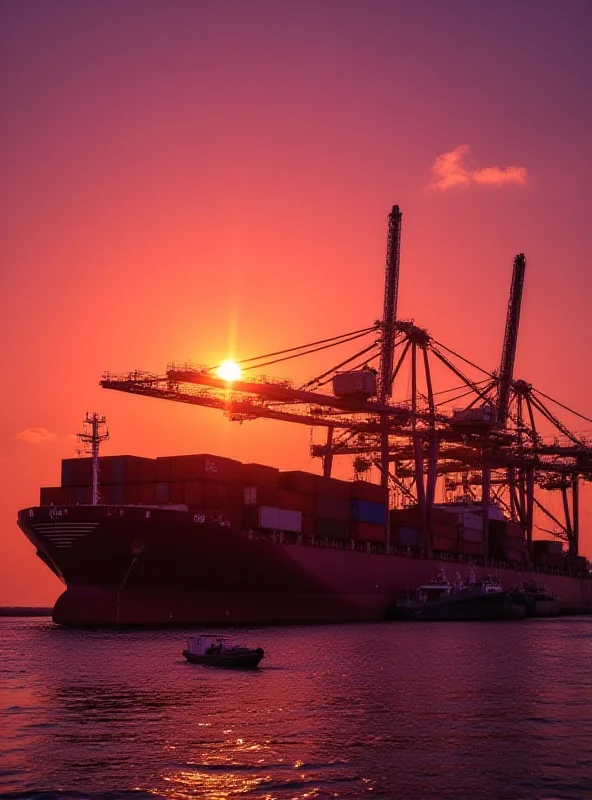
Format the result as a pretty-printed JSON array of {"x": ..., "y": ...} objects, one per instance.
[{"x": 195, "y": 180}]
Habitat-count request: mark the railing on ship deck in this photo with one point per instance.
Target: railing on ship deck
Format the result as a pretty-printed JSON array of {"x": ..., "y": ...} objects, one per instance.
[{"x": 409, "y": 552}]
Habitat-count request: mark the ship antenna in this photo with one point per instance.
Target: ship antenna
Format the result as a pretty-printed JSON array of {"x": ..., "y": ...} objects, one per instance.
[{"x": 91, "y": 438}]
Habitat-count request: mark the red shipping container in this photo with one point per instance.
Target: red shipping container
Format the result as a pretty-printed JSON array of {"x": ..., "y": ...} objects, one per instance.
[
  {"x": 331, "y": 508},
  {"x": 193, "y": 493},
  {"x": 331, "y": 487},
  {"x": 514, "y": 530},
  {"x": 260, "y": 475},
  {"x": 140, "y": 470},
  {"x": 177, "y": 492},
  {"x": 56, "y": 496},
  {"x": 445, "y": 530},
  {"x": 363, "y": 490},
  {"x": 444, "y": 544},
  {"x": 204, "y": 466},
  {"x": 297, "y": 481},
  {"x": 82, "y": 472},
  {"x": 139, "y": 494},
  {"x": 367, "y": 532},
  {"x": 260, "y": 496},
  {"x": 222, "y": 494},
  {"x": 308, "y": 526},
  {"x": 472, "y": 548},
  {"x": 162, "y": 469}
]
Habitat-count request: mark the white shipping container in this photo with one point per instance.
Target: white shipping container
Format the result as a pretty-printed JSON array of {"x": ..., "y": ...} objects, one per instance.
[
  {"x": 473, "y": 521},
  {"x": 359, "y": 382},
  {"x": 280, "y": 519},
  {"x": 472, "y": 535}
]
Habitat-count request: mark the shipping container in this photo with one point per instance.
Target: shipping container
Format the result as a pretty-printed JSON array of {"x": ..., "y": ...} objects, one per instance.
[
  {"x": 216, "y": 493},
  {"x": 472, "y": 548},
  {"x": 367, "y": 532},
  {"x": 57, "y": 496},
  {"x": 162, "y": 491},
  {"x": 126, "y": 469},
  {"x": 359, "y": 383},
  {"x": 308, "y": 525},
  {"x": 193, "y": 493},
  {"x": 445, "y": 545},
  {"x": 297, "y": 481},
  {"x": 365, "y": 511},
  {"x": 549, "y": 559},
  {"x": 82, "y": 471},
  {"x": 547, "y": 546},
  {"x": 260, "y": 475},
  {"x": 68, "y": 471},
  {"x": 279, "y": 519},
  {"x": 363, "y": 490},
  {"x": 331, "y": 487},
  {"x": 162, "y": 469},
  {"x": 330, "y": 508},
  {"x": 407, "y": 536},
  {"x": 177, "y": 492},
  {"x": 113, "y": 494},
  {"x": 445, "y": 530},
  {"x": 472, "y": 521},
  {"x": 513, "y": 555},
  {"x": 471, "y": 535},
  {"x": 139, "y": 494},
  {"x": 280, "y": 498},
  {"x": 331, "y": 528},
  {"x": 204, "y": 466}
]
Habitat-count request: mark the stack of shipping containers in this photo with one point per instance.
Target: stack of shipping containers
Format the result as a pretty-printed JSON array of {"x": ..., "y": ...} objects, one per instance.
[{"x": 300, "y": 505}]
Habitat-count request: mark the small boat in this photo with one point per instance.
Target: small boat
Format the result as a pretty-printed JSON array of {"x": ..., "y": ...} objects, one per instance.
[
  {"x": 537, "y": 599},
  {"x": 221, "y": 652},
  {"x": 477, "y": 600}
]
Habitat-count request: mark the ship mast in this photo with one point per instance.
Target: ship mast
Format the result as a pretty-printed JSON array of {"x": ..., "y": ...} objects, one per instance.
[{"x": 95, "y": 432}]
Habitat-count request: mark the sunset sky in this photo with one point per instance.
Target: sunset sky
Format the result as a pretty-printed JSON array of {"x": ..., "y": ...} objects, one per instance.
[{"x": 197, "y": 180}]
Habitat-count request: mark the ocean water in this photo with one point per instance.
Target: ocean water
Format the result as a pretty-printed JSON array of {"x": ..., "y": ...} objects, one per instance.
[{"x": 391, "y": 710}]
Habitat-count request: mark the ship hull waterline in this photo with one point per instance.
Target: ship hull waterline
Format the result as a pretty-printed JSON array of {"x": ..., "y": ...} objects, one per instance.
[{"x": 148, "y": 566}]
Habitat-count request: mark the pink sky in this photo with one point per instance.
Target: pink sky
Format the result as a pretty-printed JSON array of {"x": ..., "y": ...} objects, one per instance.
[{"x": 191, "y": 180}]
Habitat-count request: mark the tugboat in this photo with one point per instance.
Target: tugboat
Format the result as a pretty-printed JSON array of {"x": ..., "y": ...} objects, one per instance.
[
  {"x": 221, "y": 652},
  {"x": 538, "y": 600},
  {"x": 439, "y": 601}
]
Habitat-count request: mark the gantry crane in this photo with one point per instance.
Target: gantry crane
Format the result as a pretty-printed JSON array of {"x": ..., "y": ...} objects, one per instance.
[{"x": 492, "y": 440}]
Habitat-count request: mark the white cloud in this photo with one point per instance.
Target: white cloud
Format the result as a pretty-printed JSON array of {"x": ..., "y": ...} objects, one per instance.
[
  {"x": 36, "y": 436},
  {"x": 451, "y": 169}
]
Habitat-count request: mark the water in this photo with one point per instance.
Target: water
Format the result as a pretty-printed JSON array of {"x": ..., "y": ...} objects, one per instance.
[{"x": 399, "y": 710}]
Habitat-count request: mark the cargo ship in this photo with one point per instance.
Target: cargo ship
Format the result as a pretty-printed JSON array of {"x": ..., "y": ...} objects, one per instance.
[{"x": 205, "y": 540}]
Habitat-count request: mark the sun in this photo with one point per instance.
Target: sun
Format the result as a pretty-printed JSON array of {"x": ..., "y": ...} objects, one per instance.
[{"x": 229, "y": 371}]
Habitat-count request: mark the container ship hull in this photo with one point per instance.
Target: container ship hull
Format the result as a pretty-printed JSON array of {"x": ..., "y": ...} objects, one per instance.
[{"x": 135, "y": 565}]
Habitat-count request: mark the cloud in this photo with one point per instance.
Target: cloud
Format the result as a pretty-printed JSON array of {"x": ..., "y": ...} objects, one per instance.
[
  {"x": 451, "y": 169},
  {"x": 36, "y": 436}
]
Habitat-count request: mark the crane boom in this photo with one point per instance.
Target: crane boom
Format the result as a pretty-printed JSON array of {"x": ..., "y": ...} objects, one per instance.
[
  {"x": 510, "y": 339},
  {"x": 391, "y": 292}
]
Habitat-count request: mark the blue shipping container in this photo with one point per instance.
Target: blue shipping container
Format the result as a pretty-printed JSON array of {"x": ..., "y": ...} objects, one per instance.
[
  {"x": 365, "y": 511},
  {"x": 408, "y": 536}
]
